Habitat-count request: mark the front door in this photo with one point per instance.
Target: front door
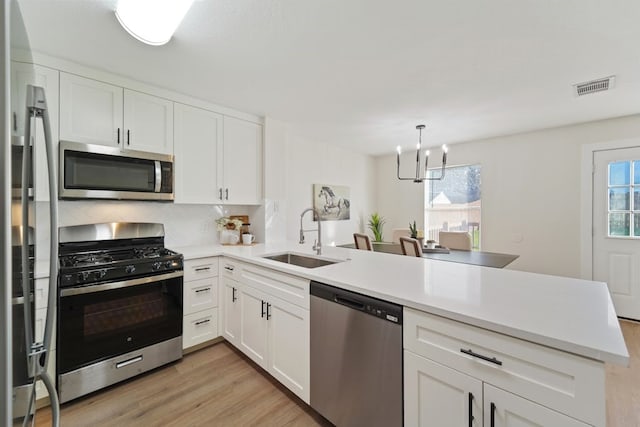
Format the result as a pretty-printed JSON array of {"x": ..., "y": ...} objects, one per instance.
[{"x": 616, "y": 226}]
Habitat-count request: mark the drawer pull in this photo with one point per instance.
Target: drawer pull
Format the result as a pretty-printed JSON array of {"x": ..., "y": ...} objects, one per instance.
[
  {"x": 129, "y": 362},
  {"x": 228, "y": 268},
  {"x": 203, "y": 290},
  {"x": 203, "y": 268},
  {"x": 201, "y": 322},
  {"x": 480, "y": 356}
]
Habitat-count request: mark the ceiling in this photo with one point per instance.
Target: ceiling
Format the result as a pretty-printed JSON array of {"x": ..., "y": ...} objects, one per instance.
[{"x": 362, "y": 73}]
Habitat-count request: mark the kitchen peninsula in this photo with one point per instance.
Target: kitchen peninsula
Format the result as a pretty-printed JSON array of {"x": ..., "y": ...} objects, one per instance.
[{"x": 551, "y": 354}]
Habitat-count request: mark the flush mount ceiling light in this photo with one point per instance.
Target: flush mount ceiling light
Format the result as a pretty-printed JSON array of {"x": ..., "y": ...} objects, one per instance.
[
  {"x": 152, "y": 21},
  {"x": 419, "y": 178}
]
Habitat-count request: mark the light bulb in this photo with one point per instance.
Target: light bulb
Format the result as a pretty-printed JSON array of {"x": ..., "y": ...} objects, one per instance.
[
  {"x": 152, "y": 21},
  {"x": 399, "y": 150},
  {"x": 445, "y": 148}
]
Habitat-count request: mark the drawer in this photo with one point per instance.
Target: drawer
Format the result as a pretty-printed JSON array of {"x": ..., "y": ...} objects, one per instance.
[
  {"x": 200, "y": 268},
  {"x": 199, "y": 327},
  {"x": 200, "y": 295},
  {"x": 562, "y": 381},
  {"x": 230, "y": 268},
  {"x": 292, "y": 289}
]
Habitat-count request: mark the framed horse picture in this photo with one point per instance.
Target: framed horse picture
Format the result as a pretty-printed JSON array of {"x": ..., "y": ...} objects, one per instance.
[{"x": 332, "y": 202}]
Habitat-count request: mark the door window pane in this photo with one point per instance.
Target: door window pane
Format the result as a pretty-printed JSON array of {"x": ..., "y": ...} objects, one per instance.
[
  {"x": 636, "y": 225},
  {"x": 619, "y": 199},
  {"x": 619, "y": 224},
  {"x": 636, "y": 199},
  {"x": 619, "y": 173},
  {"x": 636, "y": 172}
]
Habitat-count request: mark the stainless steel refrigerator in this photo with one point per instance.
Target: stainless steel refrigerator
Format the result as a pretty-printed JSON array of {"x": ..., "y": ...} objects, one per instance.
[{"x": 26, "y": 144}]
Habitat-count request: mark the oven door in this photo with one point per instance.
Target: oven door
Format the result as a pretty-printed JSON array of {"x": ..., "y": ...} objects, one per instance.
[{"x": 101, "y": 321}]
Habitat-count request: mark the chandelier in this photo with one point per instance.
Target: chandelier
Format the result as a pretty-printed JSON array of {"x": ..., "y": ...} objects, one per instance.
[{"x": 419, "y": 178}]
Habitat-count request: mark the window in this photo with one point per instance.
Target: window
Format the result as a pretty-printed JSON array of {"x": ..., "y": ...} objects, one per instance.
[
  {"x": 453, "y": 204},
  {"x": 624, "y": 209}
]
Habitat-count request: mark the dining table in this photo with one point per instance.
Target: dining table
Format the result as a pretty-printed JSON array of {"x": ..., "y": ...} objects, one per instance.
[{"x": 486, "y": 259}]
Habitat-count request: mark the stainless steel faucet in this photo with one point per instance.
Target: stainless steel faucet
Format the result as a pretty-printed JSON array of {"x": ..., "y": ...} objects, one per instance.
[{"x": 317, "y": 245}]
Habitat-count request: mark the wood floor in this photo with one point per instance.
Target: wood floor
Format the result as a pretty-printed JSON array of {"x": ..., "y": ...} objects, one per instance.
[{"x": 217, "y": 386}]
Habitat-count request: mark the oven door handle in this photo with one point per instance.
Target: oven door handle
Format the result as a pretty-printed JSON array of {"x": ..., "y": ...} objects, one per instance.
[{"x": 66, "y": 292}]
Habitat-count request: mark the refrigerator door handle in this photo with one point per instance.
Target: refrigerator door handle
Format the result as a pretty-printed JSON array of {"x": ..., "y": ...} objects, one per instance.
[{"x": 37, "y": 105}]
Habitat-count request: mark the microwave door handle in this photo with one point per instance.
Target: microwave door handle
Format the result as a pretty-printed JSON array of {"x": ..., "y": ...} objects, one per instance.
[
  {"x": 36, "y": 102},
  {"x": 158, "y": 176}
]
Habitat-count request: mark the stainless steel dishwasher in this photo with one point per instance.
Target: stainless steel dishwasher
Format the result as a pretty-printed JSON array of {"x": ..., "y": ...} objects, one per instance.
[{"x": 356, "y": 358}]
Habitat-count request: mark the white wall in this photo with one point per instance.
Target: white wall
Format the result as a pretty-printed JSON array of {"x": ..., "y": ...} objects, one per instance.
[
  {"x": 530, "y": 191},
  {"x": 293, "y": 163},
  {"x": 184, "y": 225}
]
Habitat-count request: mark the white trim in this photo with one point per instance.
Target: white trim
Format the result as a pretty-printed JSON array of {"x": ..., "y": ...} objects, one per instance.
[
  {"x": 117, "y": 80},
  {"x": 586, "y": 199}
]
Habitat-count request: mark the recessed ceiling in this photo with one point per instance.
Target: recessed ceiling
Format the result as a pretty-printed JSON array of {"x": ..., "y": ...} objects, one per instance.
[{"x": 362, "y": 73}]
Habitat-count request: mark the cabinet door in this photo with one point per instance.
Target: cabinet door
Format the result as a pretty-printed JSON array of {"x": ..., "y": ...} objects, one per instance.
[
  {"x": 253, "y": 324},
  {"x": 437, "y": 396},
  {"x": 242, "y": 157},
  {"x": 21, "y": 75},
  {"x": 230, "y": 306},
  {"x": 504, "y": 409},
  {"x": 197, "y": 135},
  {"x": 289, "y": 357},
  {"x": 148, "y": 123},
  {"x": 90, "y": 111}
]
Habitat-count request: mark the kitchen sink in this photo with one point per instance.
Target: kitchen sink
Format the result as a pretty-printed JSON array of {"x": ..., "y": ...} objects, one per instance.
[{"x": 301, "y": 260}]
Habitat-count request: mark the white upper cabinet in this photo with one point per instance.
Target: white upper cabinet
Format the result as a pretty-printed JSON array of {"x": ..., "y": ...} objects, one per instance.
[
  {"x": 94, "y": 112},
  {"x": 240, "y": 163},
  {"x": 198, "y": 133},
  {"x": 21, "y": 75},
  {"x": 90, "y": 111},
  {"x": 148, "y": 121}
]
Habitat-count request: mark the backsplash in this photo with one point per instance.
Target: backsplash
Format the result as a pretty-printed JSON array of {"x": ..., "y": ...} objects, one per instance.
[{"x": 184, "y": 225}]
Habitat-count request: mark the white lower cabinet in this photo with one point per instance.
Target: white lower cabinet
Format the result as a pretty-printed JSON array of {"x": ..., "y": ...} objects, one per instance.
[
  {"x": 230, "y": 309},
  {"x": 457, "y": 374},
  {"x": 435, "y": 395},
  {"x": 200, "y": 301},
  {"x": 271, "y": 330},
  {"x": 504, "y": 409}
]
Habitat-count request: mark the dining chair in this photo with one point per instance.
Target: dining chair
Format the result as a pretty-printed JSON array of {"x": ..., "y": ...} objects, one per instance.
[
  {"x": 399, "y": 232},
  {"x": 362, "y": 242},
  {"x": 410, "y": 246},
  {"x": 455, "y": 240}
]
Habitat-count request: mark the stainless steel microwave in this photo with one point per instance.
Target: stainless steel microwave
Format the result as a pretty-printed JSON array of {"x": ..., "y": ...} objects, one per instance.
[{"x": 90, "y": 171}]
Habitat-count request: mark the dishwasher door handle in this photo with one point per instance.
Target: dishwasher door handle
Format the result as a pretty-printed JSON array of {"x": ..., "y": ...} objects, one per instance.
[{"x": 348, "y": 302}]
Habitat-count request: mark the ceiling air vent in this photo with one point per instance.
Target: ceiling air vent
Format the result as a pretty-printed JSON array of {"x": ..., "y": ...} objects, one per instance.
[{"x": 594, "y": 86}]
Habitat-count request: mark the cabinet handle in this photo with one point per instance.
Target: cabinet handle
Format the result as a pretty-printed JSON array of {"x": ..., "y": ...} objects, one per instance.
[
  {"x": 203, "y": 290},
  {"x": 203, "y": 321},
  {"x": 220, "y": 191},
  {"x": 233, "y": 294},
  {"x": 226, "y": 194},
  {"x": 15, "y": 122},
  {"x": 118, "y": 136},
  {"x": 470, "y": 409},
  {"x": 203, "y": 268},
  {"x": 493, "y": 414},
  {"x": 263, "y": 313},
  {"x": 480, "y": 356},
  {"x": 228, "y": 268},
  {"x": 128, "y": 137},
  {"x": 269, "y": 316}
]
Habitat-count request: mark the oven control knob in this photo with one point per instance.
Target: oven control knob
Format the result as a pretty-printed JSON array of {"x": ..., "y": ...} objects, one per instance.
[
  {"x": 99, "y": 274},
  {"x": 168, "y": 264},
  {"x": 83, "y": 276},
  {"x": 130, "y": 269},
  {"x": 156, "y": 266}
]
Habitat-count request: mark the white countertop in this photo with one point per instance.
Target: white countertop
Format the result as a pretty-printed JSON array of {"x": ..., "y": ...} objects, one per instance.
[{"x": 568, "y": 314}]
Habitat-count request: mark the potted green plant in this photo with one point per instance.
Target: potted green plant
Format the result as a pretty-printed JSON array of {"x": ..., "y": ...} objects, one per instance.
[
  {"x": 415, "y": 233},
  {"x": 375, "y": 225}
]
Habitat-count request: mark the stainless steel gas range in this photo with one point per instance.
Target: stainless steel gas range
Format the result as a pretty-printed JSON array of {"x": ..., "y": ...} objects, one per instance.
[{"x": 119, "y": 305}]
